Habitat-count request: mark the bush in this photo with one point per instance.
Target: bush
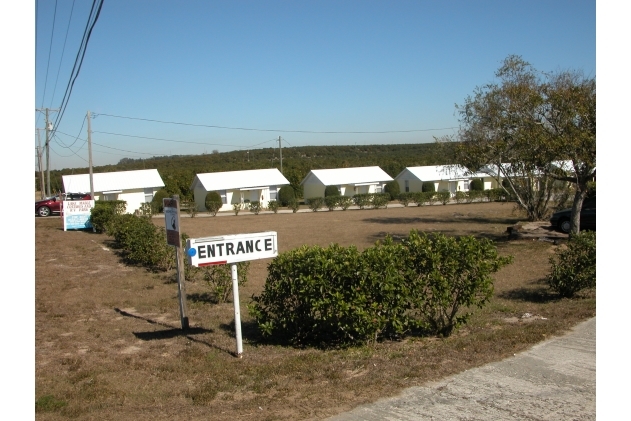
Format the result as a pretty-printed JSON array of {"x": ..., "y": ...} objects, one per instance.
[
  {"x": 294, "y": 205},
  {"x": 156, "y": 202},
  {"x": 273, "y": 206},
  {"x": 236, "y": 207},
  {"x": 473, "y": 195},
  {"x": 315, "y": 203},
  {"x": 103, "y": 212},
  {"x": 331, "y": 191},
  {"x": 145, "y": 210},
  {"x": 574, "y": 268},
  {"x": 331, "y": 202},
  {"x": 344, "y": 202},
  {"x": 219, "y": 278},
  {"x": 477, "y": 184},
  {"x": 338, "y": 296},
  {"x": 380, "y": 200},
  {"x": 255, "y": 207},
  {"x": 460, "y": 196},
  {"x": 450, "y": 274},
  {"x": 443, "y": 197},
  {"x": 361, "y": 200},
  {"x": 420, "y": 198},
  {"x": 393, "y": 189},
  {"x": 405, "y": 199},
  {"x": 213, "y": 202},
  {"x": 189, "y": 206},
  {"x": 428, "y": 186},
  {"x": 431, "y": 197},
  {"x": 286, "y": 195}
]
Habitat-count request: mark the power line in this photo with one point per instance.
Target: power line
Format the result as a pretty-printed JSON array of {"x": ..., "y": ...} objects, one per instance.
[
  {"x": 62, "y": 54},
  {"x": 50, "y": 49},
  {"x": 82, "y": 49},
  {"x": 275, "y": 130}
]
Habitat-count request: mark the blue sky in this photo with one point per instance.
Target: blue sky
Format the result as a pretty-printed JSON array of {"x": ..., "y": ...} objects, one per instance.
[{"x": 283, "y": 68}]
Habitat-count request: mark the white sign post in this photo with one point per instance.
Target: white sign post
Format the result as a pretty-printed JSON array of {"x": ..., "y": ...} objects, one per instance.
[{"x": 232, "y": 249}]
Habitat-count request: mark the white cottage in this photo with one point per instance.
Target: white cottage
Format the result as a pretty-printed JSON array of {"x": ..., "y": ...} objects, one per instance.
[
  {"x": 238, "y": 187},
  {"x": 134, "y": 187},
  {"x": 444, "y": 177},
  {"x": 349, "y": 181}
]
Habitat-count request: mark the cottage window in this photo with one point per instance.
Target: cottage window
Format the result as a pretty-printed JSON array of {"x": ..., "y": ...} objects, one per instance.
[
  {"x": 407, "y": 186},
  {"x": 148, "y": 195},
  {"x": 273, "y": 190},
  {"x": 222, "y": 193}
]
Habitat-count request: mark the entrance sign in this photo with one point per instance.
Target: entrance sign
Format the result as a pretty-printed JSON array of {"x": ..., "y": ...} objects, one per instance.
[
  {"x": 76, "y": 214},
  {"x": 172, "y": 221},
  {"x": 229, "y": 249},
  {"x": 232, "y": 249}
]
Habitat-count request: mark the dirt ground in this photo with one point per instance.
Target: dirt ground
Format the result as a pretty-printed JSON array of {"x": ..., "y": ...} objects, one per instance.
[{"x": 108, "y": 343}]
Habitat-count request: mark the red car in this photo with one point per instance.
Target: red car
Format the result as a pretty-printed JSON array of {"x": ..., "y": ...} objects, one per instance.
[{"x": 47, "y": 207}]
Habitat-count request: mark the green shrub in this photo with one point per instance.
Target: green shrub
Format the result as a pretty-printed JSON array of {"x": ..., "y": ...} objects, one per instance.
[
  {"x": 361, "y": 200},
  {"x": 331, "y": 191},
  {"x": 213, "y": 202},
  {"x": 273, "y": 206},
  {"x": 344, "y": 202},
  {"x": 450, "y": 274},
  {"x": 393, "y": 189},
  {"x": 236, "y": 207},
  {"x": 420, "y": 198},
  {"x": 477, "y": 184},
  {"x": 338, "y": 296},
  {"x": 574, "y": 268},
  {"x": 473, "y": 195},
  {"x": 315, "y": 203},
  {"x": 189, "y": 206},
  {"x": 405, "y": 199},
  {"x": 286, "y": 195},
  {"x": 443, "y": 197},
  {"x": 331, "y": 202},
  {"x": 460, "y": 196},
  {"x": 104, "y": 211},
  {"x": 156, "y": 202},
  {"x": 380, "y": 200},
  {"x": 219, "y": 279},
  {"x": 294, "y": 205},
  {"x": 431, "y": 197},
  {"x": 428, "y": 186},
  {"x": 145, "y": 210},
  {"x": 255, "y": 207}
]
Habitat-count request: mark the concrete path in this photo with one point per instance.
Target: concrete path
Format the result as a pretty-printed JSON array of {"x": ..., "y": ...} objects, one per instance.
[{"x": 554, "y": 380}]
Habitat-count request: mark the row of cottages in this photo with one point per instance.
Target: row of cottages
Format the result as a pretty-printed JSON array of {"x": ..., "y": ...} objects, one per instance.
[
  {"x": 349, "y": 181},
  {"x": 238, "y": 187},
  {"x": 449, "y": 178},
  {"x": 134, "y": 187}
]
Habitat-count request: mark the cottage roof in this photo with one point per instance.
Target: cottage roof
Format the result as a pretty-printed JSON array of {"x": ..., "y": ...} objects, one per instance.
[
  {"x": 112, "y": 181},
  {"x": 227, "y": 180},
  {"x": 436, "y": 172},
  {"x": 356, "y": 175}
]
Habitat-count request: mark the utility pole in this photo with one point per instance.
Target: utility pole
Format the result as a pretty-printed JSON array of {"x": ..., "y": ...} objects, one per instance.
[
  {"x": 281, "y": 155},
  {"x": 49, "y": 127},
  {"x": 42, "y": 193},
  {"x": 90, "y": 155}
]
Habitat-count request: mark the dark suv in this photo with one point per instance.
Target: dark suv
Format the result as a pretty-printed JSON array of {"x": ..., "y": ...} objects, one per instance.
[
  {"x": 51, "y": 205},
  {"x": 561, "y": 219}
]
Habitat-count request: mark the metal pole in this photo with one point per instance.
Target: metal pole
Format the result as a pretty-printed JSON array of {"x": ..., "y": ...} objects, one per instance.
[
  {"x": 237, "y": 313},
  {"x": 179, "y": 255}
]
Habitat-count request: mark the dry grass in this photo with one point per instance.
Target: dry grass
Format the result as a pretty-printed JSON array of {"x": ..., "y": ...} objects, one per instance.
[{"x": 108, "y": 343}]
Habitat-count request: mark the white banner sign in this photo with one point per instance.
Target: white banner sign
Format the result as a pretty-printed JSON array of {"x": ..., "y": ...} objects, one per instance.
[
  {"x": 231, "y": 248},
  {"x": 76, "y": 214}
]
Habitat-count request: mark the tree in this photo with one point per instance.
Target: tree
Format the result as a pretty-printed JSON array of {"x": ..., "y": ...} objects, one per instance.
[
  {"x": 393, "y": 188},
  {"x": 519, "y": 129}
]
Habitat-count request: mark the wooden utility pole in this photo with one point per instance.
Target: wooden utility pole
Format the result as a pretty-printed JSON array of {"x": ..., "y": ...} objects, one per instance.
[
  {"x": 42, "y": 188},
  {"x": 49, "y": 127},
  {"x": 90, "y": 161},
  {"x": 281, "y": 155}
]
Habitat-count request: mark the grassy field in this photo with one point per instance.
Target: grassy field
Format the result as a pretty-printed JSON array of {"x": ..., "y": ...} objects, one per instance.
[{"x": 108, "y": 343}]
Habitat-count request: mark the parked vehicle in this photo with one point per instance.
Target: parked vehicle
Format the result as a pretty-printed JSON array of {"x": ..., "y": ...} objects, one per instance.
[
  {"x": 52, "y": 205},
  {"x": 561, "y": 220}
]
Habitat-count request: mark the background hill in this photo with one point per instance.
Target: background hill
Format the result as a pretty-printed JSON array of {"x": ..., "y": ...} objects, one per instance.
[{"x": 178, "y": 171}]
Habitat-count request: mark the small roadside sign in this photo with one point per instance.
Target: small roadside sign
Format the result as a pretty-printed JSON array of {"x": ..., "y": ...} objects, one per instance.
[
  {"x": 172, "y": 221},
  {"x": 229, "y": 249}
]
